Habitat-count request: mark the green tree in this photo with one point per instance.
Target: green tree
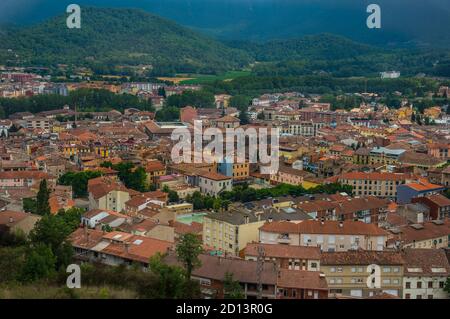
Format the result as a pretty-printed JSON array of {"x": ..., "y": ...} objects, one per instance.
[
  {"x": 241, "y": 102},
  {"x": 447, "y": 285},
  {"x": 137, "y": 180},
  {"x": 29, "y": 205},
  {"x": 53, "y": 231},
  {"x": 243, "y": 117},
  {"x": 39, "y": 263},
  {"x": 173, "y": 196},
  {"x": 42, "y": 204},
  {"x": 188, "y": 250},
  {"x": 231, "y": 288},
  {"x": 170, "y": 283},
  {"x": 78, "y": 181}
]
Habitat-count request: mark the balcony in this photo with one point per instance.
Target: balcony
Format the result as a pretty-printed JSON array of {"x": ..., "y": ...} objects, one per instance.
[{"x": 283, "y": 239}]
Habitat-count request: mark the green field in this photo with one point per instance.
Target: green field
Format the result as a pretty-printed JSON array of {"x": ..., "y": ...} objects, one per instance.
[{"x": 202, "y": 78}]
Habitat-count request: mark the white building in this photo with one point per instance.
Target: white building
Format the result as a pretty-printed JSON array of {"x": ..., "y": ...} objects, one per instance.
[
  {"x": 425, "y": 274},
  {"x": 213, "y": 184}
]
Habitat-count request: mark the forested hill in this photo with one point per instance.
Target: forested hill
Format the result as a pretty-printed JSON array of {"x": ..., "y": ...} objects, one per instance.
[
  {"x": 119, "y": 37},
  {"x": 320, "y": 46}
]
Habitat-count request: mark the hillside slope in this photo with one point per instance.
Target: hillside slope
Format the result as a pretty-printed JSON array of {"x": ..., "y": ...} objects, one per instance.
[{"x": 119, "y": 37}]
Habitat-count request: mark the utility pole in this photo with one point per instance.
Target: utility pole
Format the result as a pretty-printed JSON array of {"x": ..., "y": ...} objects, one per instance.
[{"x": 260, "y": 269}]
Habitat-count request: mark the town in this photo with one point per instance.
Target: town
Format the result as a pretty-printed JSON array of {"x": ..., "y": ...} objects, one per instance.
[{"x": 83, "y": 182}]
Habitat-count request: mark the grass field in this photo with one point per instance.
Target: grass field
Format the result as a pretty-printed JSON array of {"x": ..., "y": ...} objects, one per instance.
[
  {"x": 34, "y": 291},
  {"x": 202, "y": 78}
]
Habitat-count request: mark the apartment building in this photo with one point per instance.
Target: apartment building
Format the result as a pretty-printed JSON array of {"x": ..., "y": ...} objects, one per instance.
[
  {"x": 347, "y": 273},
  {"x": 285, "y": 256},
  {"x": 430, "y": 234},
  {"x": 154, "y": 170},
  {"x": 304, "y": 128},
  {"x": 406, "y": 192},
  {"x": 438, "y": 205},
  {"x": 368, "y": 209},
  {"x": 375, "y": 183},
  {"x": 22, "y": 179},
  {"x": 39, "y": 123},
  {"x": 213, "y": 184},
  {"x": 108, "y": 195},
  {"x": 425, "y": 274},
  {"x": 327, "y": 235},
  {"x": 232, "y": 230},
  {"x": 385, "y": 156}
]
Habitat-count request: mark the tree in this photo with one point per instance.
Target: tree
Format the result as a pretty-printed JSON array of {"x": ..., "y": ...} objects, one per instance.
[
  {"x": 173, "y": 196},
  {"x": 29, "y": 205},
  {"x": 447, "y": 286},
  {"x": 78, "y": 181},
  {"x": 137, "y": 180},
  {"x": 243, "y": 117},
  {"x": 188, "y": 249},
  {"x": 170, "y": 280},
  {"x": 39, "y": 263},
  {"x": 42, "y": 204},
  {"x": 53, "y": 231},
  {"x": 231, "y": 288},
  {"x": 240, "y": 102}
]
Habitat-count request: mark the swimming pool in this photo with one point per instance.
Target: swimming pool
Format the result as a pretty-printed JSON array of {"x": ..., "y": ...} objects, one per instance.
[{"x": 189, "y": 218}]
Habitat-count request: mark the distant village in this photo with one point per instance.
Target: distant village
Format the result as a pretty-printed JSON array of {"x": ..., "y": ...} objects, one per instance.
[{"x": 390, "y": 208}]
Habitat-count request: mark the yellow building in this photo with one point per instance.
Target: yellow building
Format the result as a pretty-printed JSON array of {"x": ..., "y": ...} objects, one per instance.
[
  {"x": 241, "y": 171},
  {"x": 154, "y": 170},
  {"x": 230, "y": 232},
  {"x": 347, "y": 273}
]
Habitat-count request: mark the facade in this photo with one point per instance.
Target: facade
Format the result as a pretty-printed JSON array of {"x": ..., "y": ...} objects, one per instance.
[
  {"x": 347, "y": 272},
  {"x": 438, "y": 205},
  {"x": 426, "y": 271},
  {"x": 406, "y": 192},
  {"x": 327, "y": 235},
  {"x": 304, "y": 128},
  {"x": 213, "y": 183},
  {"x": 285, "y": 256},
  {"x": 430, "y": 235},
  {"x": 377, "y": 184}
]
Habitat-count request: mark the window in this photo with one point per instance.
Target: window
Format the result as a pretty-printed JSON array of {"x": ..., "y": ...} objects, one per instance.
[
  {"x": 331, "y": 239},
  {"x": 396, "y": 269},
  {"x": 333, "y": 269},
  {"x": 339, "y": 269},
  {"x": 407, "y": 296},
  {"x": 386, "y": 269},
  {"x": 430, "y": 296},
  {"x": 419, "y": 297},
  {"x": 430, "y": 284},
  {"x": 441, "y": 284},
  {"x": 419, "y": 284},
  {"x": 408, "y": 285}
]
